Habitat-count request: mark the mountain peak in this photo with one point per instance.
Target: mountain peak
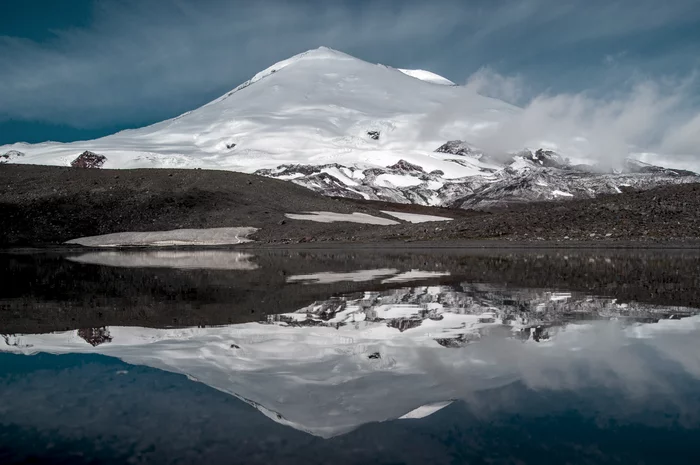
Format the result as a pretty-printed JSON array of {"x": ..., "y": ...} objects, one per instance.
[
  {"x": 321, "y": 53},
  {"x": 323, "y": 50}
]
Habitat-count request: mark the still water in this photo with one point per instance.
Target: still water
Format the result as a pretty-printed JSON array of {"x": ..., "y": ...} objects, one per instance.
[{"x": 327, "y": 356}]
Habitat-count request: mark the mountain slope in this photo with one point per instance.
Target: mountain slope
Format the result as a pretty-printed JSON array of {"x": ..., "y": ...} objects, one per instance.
[
  {"x": 342, "y": 126},
  {"x": 314, "y": 108}
]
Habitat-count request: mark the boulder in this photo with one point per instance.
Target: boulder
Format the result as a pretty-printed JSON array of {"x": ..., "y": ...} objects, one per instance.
[{"x": 89, "y": 159}]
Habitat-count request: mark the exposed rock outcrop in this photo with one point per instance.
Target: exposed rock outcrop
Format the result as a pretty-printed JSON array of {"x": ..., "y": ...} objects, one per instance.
[
  {"x": 95, "y": 336},
  {"x": 89, "y": 159},
  {"x": 458, "y": 147},
  {"x": 10, "y": 155},
  {"x": 403, "y": 165}
]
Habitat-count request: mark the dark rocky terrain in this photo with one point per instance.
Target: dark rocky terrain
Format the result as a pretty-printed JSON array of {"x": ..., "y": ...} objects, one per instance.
[{"x": 44, "y": 205}]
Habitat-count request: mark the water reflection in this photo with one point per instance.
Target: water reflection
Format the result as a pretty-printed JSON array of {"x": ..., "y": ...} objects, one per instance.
[
  {"x": 50, "y": 292},
  {"x": 177, "y": 259},
  {"x": 353, "y": 356},
  {"x": 338, "y": 363}
]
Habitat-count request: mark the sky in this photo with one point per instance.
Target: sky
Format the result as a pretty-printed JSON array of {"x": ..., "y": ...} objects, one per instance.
[{"x": 81, "y": 69}]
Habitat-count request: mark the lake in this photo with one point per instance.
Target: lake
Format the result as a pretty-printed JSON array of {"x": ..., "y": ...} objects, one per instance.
[{"x": 350, "y": 356}]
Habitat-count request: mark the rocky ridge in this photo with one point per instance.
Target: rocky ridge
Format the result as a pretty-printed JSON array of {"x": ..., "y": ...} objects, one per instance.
[{"x": 526, "y": 177}]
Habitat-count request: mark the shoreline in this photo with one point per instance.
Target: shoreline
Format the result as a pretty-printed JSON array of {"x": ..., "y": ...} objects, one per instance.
[{"x": 490, "y": 245}]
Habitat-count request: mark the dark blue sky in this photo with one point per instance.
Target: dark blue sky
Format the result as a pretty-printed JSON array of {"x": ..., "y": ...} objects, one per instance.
[{"x": 84, "y": 68}]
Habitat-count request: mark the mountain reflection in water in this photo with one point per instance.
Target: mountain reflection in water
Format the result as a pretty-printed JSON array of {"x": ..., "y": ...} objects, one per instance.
[{"x": 344, "y": 345}]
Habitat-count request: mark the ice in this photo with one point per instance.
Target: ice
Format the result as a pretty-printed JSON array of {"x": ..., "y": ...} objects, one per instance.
[
  {"x": 415, "y": 217},
  {"x": 332, "y": 217},
  {"x": 176, "y": 237}
]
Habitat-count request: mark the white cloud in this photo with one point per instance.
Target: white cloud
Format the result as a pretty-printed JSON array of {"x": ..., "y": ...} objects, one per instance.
[
  {"x": 488, "y": 82},
  {"x": 651, "y": 116}
]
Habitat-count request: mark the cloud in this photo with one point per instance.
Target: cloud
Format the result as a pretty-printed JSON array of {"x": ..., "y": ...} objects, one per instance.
[
  {"x": 632, "y": 363},
  {"x": 488, "y": 82},
  {"x": 649, "y": 116}
]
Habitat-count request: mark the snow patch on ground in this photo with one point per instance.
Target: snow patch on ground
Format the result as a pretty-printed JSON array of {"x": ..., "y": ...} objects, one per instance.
[
  {"x": 397, "y": 180},
  {"x": 196, "y": 259},
  {"x": 340, "y": 176},
  {"x": 332, "y": 217},
  {"x": 415, "y": 217},
  {"x": 176, "y": 237},
  {"x": 435, "y": 185}
]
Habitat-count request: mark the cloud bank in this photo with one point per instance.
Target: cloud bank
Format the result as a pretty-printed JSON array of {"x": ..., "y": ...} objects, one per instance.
[{"x": 653, "y": 119}]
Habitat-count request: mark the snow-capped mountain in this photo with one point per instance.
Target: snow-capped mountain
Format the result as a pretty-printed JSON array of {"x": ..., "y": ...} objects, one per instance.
[
  {"x": 339, "y": 363},
  {"x": 527, "y": 177},
  {"x": 342, "y": 126}
]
